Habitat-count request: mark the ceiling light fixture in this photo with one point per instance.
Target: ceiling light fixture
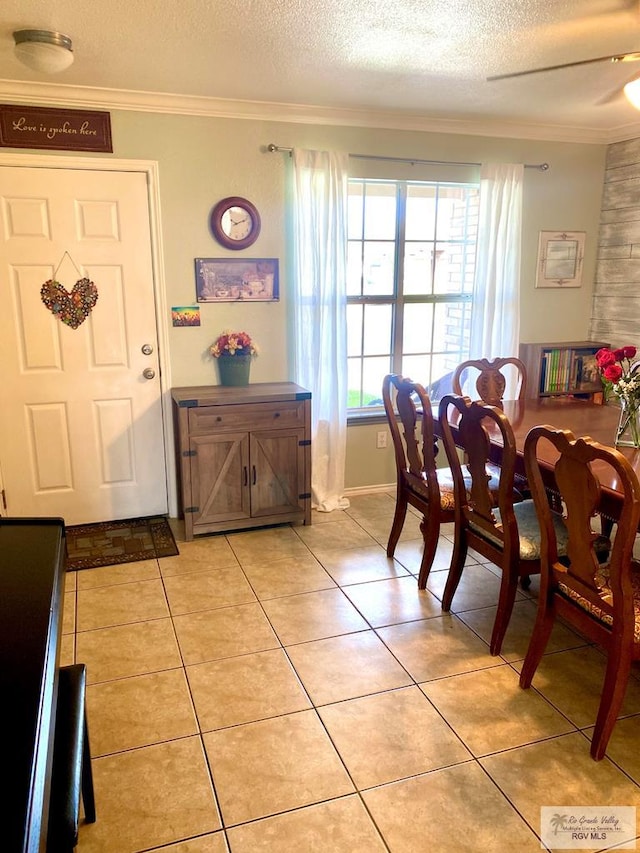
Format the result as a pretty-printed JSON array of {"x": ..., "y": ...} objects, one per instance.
[
  {"x": 632, "y": 92},
  {"x": 44, "y": 51}
]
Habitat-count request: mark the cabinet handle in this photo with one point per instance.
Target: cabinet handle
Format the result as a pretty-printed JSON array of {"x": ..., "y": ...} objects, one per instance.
[
  {"x": 254, "y": 474},
  {"x": 276, "y": 414},
  {"x": 246, "y": 476}
]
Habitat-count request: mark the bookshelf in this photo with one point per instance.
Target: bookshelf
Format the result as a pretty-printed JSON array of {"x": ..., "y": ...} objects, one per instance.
[{"x": 563, "y": 369}]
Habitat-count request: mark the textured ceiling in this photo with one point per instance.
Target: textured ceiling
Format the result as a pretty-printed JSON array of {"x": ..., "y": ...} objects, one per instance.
[{"x": 408, "y": 59}]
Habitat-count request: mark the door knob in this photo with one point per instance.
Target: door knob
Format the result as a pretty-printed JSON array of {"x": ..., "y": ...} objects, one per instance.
[
  {"x": 148, "y": 373},
  {"x": 147, "y": 349}
]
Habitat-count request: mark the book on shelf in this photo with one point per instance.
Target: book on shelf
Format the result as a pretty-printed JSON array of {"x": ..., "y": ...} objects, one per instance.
[
  {"x": 554, "y": 374},
  {"x": 568, "y": 370},
  {"x": 587, "y": 373}
]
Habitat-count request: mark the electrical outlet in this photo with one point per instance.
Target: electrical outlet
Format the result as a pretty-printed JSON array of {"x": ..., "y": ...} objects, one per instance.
[{"x": 381, "y": 440}]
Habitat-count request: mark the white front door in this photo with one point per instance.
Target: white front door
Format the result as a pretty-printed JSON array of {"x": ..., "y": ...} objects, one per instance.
[{"x": 81, "y": 431}]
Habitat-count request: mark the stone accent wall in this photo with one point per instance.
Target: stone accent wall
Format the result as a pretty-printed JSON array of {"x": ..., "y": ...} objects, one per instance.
[{"x": 615, "y": 314}]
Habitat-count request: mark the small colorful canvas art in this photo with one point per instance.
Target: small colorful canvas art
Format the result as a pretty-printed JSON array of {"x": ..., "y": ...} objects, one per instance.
[{"x": 188, "y": 315}]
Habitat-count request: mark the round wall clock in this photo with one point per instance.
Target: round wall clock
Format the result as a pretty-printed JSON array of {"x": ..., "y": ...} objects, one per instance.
[{"x": 235, "y": 222}]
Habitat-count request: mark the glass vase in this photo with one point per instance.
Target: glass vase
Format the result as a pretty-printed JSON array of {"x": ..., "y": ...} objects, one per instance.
[{"x": 628, "y": 432}]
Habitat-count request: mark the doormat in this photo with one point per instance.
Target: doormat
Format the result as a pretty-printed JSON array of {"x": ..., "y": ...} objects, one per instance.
[{"x": 111, "y": 542}]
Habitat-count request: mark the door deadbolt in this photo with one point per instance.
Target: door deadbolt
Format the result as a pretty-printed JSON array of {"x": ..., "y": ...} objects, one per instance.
[{"x": 147, "y": 349}]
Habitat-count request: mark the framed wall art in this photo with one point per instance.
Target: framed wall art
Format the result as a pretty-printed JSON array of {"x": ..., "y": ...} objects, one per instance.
[
  {"x": 237, "y": 280},
  {"x": 55, "y": 128},
  {"x": 560, "y": 257},
  {"x": 185, "y": 315}
]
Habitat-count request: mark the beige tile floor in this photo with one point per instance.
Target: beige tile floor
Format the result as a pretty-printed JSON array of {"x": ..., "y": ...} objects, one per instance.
[{"x": 290, "y": 690}]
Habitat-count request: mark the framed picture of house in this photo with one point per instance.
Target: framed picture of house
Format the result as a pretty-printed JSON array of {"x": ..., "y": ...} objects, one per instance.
[
  {"x": 237, "y": 280},
  {"x": 560, "y": 257}
]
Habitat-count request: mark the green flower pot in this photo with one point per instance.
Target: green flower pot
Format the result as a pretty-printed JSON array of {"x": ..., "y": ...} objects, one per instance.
[{"x": 234, "y": 369}]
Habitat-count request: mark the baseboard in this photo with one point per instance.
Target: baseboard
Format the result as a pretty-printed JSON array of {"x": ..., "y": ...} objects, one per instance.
[{"x": 369, "y": 490}]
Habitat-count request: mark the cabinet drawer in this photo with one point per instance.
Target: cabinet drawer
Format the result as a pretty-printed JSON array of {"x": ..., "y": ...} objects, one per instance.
[{"x": 207, "y": 419}]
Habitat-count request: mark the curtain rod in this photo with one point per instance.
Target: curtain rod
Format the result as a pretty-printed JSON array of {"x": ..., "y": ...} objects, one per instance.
[{"x": 543, "y": 167}]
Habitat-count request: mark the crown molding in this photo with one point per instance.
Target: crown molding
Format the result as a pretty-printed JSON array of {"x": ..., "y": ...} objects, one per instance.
[
  {"x": 624, "y": 132},
  {"x": 86, "y": 97}
]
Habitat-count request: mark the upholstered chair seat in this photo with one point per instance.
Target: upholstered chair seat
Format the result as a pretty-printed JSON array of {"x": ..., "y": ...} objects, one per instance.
[
  {"x": 602, "y": 578},
  {"x": 529, "y": 530}
]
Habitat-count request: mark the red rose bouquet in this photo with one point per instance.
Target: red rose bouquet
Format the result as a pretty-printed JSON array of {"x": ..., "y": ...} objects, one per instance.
[
  {"x": 620, "y": 376},
  {"x": 619, "y": 372}
]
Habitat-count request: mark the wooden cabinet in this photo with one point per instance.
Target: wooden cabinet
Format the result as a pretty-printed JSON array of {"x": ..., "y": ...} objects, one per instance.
[
  {"x": 562, "y": 369},
  {"x": 244, "y": 455}
]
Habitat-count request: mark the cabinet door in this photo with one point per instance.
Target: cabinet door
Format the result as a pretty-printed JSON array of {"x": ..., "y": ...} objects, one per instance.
[
  {"x": 220, "y": 477},
  {"x": 277, "y": 472}
]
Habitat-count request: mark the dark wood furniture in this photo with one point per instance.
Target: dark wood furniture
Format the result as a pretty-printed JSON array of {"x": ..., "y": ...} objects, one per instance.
[
  {"x": 417, "y": 478},
  {"x": 71, "y": 777},
  {"x": 244, "y": 455},
  {"x": 490, "y": 382},
  {"x": 561, "y": 369},
  {"x": 600, "y": 600},
  {"x": 32, "y": 558},
  {"x": 582, "y": 417},
  {"x": 507, "y": 534}
]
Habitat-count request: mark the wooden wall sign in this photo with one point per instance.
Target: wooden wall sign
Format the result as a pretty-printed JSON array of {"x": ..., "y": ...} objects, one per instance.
[{"x": 55, "y": 129}]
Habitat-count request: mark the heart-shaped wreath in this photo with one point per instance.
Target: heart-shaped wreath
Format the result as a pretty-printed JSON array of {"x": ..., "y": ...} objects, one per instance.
[{"x": 72, "y": 308}]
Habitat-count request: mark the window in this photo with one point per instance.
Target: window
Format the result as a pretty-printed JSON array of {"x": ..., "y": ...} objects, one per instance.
[{"x": 410, "y": 273}]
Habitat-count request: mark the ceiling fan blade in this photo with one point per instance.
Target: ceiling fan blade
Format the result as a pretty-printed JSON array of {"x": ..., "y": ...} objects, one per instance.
[
  {"x": 610, "y": 97},
  {"x": 617, "y": 94},
  {"x": 620, "y": 57}
]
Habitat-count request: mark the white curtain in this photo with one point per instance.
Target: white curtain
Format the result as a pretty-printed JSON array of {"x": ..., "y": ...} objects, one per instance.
[
  {"x": 495, "y": 323},
  {"x": 319, "y": 287}
]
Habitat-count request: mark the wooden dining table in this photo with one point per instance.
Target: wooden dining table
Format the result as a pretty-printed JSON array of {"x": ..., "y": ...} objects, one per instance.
[{"x": 583, "y": 418}]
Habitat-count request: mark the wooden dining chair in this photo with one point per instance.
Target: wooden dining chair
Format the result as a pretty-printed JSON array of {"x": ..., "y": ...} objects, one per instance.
[
  {"x": 600, "y": 596},
  {"x": 506, "y": 534},
  {"x": 490, "y": 382},
  {"x": 419, "y": 483}
]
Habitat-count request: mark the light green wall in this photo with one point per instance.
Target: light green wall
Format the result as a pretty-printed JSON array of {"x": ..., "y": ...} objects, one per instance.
[
  {"x": 366, "y": 465},
  {"x": 203, "y": 159}
]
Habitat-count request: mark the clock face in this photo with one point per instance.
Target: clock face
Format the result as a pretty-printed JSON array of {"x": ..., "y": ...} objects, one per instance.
[{"x": 235, "y": 222}]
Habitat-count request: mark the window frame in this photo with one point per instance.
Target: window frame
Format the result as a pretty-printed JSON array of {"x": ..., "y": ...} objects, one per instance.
[{"x": 398, "y": 299}]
